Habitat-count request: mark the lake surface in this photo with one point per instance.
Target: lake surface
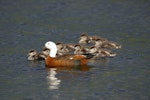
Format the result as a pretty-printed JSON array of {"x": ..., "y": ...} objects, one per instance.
[{"x": 27, "y": 24}]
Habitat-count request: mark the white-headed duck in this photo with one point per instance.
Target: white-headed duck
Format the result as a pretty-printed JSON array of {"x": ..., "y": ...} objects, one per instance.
[{"x": 64, "y": 60}]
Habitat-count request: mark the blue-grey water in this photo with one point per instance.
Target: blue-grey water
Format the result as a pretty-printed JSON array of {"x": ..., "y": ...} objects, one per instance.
[{"x": 27, "y": 24}]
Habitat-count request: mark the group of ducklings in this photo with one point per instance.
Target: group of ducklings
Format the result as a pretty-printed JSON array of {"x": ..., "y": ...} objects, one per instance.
[{"x": 95, "y": 45}]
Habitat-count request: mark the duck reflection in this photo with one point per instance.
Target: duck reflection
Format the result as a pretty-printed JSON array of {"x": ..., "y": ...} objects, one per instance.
[{"x": 53, "y": 81}]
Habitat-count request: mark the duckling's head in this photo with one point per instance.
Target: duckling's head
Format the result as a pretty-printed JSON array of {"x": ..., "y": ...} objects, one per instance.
[
  {"x": 59, "y": 45},
  {"x": 77, "y": 47},
  {"x": 32, "y": 52},
  {"x": 45, "y": 51},
  {"x": 93, "y": 49},
  {"x": 84, "y": 36}
]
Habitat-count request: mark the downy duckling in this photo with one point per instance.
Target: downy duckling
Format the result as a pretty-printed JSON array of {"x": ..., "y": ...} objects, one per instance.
[
  {"x": 61, "y": 49},
  {"x": 31, "y": 54},
  {"x": 94, "y": 38},
  {"x": 84, "y": 39},
  {"x": 64, "y": 48},
  {"x": 100, "y": 52},
  {"x": 40, "y": 56},
  {"x": 34, "y": 55},
  {"x": 45, "y": 51},
  {"x": 80, "y": 50},
  {"x": 99, "y": 42},
  {"x": 110, "y": 44}
]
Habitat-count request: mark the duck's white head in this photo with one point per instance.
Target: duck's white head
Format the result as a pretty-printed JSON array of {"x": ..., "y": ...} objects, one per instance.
[{"x": 53, "y": 48}]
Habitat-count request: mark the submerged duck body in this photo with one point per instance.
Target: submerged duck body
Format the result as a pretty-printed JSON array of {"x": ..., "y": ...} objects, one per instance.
[{"x": 64, "y": 60}]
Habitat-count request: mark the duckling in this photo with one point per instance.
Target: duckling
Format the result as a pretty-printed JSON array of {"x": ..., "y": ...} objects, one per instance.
[
  {"x": 45, "y": 51},
  {"x": 84, "y": 39},
  {"x": 94, "y": 38},
  {"x": 70, "y": 47},
  {"x": 61, "y": 48},
  {"x": 40, "y": 56},
  {"x": 34, "y": 55},
  {"x": 31, "y": 54},
  {"x": 93, "y": 50},
  {"x": 100, "y": 52},
  {"x": 65, "y": 48},
  {"x": 80, "y": 50},
  {"x": 99, "y": 42},
  {"x": 110, "y": 44},
  {"x": 107, "y": 53}
]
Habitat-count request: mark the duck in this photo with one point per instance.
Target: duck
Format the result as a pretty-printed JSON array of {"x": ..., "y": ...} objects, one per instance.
[
  {"x": 45, "y": 51},
  {"x": 87, "y": 39},
  {"x": 60, "y": 48},
  {"x": 40, "y": 56},
  {"x": 31, "y": 54},
  {"x": 34, "y": 55},
  {"x": 99, "y": 42},
  {"x": 103, "y": 43},
  {"x": 93, "y": 38},
  {"x": 110, "y": 44},
  {"x": 64, "y": 60},
  {"x": 64, "y": 48},
  {"x": 80, "y": 49},
  {"x": 70, "y": 46},
  {"x": 101, "y": 52},
  {"x": 84, "y": 39}
]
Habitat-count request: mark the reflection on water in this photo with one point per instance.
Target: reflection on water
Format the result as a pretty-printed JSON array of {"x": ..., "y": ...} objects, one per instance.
[{"x": 53, "y": 81}]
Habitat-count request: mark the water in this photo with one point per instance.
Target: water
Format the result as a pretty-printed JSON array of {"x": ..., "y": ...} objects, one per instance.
[{"x": 29, "y": 24}]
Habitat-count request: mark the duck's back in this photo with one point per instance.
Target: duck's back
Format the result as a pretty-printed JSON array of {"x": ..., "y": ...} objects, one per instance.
[{"x": 66, "y": 60}]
